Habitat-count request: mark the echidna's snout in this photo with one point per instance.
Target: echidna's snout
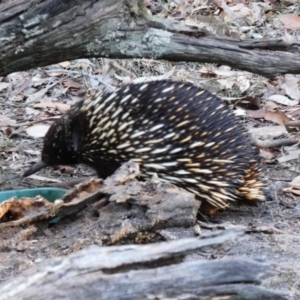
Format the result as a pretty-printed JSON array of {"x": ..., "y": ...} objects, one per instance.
[{"x": 35, "y": 168}]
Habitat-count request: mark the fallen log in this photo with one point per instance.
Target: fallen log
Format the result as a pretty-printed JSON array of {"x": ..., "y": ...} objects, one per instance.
[
  {"x": 155, "y": 271},
  {"x": 38, "y": 33},
  {"x": 118, "y": 210}
]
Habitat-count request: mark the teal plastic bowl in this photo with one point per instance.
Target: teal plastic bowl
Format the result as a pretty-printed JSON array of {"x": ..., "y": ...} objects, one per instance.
[{"x": 51, "y": 194}]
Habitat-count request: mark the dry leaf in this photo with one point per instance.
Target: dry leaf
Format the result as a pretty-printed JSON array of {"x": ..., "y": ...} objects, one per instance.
[
  {"x": 258, "y": 12},
  {"x": 291, "y": 87},
  {"x": 56, "y": 105},
  {"x": 38, "y": 95},
  {"x": 84, "y": 64},
  {"x": 295, "y": 112},
  {"x": 227, "y": 14},
  {"x": 273, "y": 131},
  {"x": 42, "y": 178},
  {"x": 127, "y": 80},
  {"x": 296, "y": 182},
  {"x": 277, "y": 117},
  {"x": 265, "y": 228},
  {"x": 291, "y": 156},
  {"x": 5, "y": 121},
  {"x": 72, "y": 84},
  {"x": 25, "y": 85},
  {"x": 150, "y": 78},
  {"x": 32, "y": 152},
  {"x": 292, "y": 190},
  {"x": 37, "y": 131},
  {"x": 10, "y": 150},
  {"x": 224, "y": 71},
  {"x": 288, "y": 38},
  {"x": 14, "y": 209},
  {"x": 270, "y": 105},
  {"x": 290, "y": 21},
  {"x": 56, "y": 73},
  {"x": 31, "y": 111},
  {"x": 256, "y": 114},
  {"x": 65, "y": 169},
  {"x": 64, "y": 64},
  {"x": 226, "y": 83},
  {"x": 267, "y": 154},
  {"x": 3, "y": 85},
  {"x": 283, "y": 100}
]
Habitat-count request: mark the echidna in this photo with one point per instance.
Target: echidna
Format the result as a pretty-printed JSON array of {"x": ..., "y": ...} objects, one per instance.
[{"x": 179, "y": 131}]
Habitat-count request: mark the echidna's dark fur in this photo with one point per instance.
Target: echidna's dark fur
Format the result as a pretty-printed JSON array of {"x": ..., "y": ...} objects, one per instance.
[{"x": 179, "y": 131}]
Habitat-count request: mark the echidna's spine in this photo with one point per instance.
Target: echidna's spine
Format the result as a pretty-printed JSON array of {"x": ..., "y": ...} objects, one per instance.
[{"x": 181, "y": 132}]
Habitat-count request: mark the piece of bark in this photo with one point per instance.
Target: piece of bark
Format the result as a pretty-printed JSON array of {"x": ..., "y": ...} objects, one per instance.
[
  {"x": 155, "y": 271},
  {"x": 135, "y": 205},
  {"x": 148, "y": 205},
  {"x": 133, "y": 210},
  {"x": 38, "y": 33}
]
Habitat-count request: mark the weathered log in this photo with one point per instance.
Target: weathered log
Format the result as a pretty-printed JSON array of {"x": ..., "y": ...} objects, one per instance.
[
  {"x": 134, "y": 210},
  {"x": 154, "y": 271},
  {"x": 38, "y": 33}
]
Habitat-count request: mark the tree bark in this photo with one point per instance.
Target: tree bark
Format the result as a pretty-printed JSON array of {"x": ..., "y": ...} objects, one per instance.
[
  {"x": 38, "y": 33},
  {"x": 154, "y": 271}
]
